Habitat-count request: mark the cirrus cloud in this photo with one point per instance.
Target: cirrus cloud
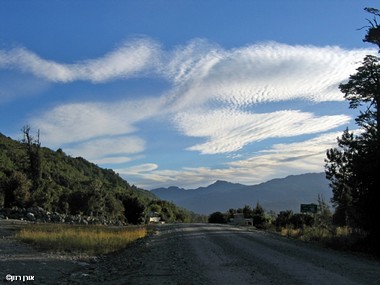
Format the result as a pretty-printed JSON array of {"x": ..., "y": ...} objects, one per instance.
[
  {"x": 76, "y": 122},
  {"x": 259, "y": 73},
  {"x": 278, "y": 161},
  {"x": 108, "y": 150},
  {"x": 230, "y": 130},
  {"x": 131, "y": 58}
]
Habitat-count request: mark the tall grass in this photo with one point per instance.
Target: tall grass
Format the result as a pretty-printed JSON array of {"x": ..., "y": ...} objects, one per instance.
[
  {"x": 80, "y": 239},
  {"x": 343, "y": 238}
]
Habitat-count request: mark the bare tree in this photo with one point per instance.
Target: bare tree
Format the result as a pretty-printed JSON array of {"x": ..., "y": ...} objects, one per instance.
[{"x": 33, "y": 146}]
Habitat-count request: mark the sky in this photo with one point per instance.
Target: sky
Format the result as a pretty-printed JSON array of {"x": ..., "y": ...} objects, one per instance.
[{"x": 183, "y": 92}]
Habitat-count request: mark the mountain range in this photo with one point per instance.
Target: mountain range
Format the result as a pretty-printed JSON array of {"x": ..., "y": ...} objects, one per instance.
[{"x": 276, "y": 194}]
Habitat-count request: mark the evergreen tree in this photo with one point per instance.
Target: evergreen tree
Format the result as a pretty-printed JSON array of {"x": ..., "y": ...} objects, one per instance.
[{"x": 353, "y": 167}]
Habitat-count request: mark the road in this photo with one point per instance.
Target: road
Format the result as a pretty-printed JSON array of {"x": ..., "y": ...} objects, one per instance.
[
  {"x": 223, "y": 254},
  {"x": 193, "y": 254}
]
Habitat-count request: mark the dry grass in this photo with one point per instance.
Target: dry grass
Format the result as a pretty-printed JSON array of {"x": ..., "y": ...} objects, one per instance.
[
  {"x": 343, "y": 238},
  {"x": 80, "y": 239}
]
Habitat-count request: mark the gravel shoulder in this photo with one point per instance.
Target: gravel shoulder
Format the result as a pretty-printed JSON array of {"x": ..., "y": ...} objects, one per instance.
[
  {"x": 193, "y": 254},
  {"x": 20, "y": 259}
]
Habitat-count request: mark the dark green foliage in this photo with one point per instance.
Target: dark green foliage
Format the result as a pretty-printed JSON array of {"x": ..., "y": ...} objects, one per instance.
[
  {"x": 373, "y": 33},
  {"x": 353, "y": 167},
  {"x": 60, "y": 183},
  {"x": 217, "y": 218},
  {"x": 134, "y": 210},
  {"x": 284, "y": 218},
  {"x": 297, "y": 221},
  {"x": 257, "y": 214},
  {"x": 170, "y": 213},
  {"x": 15, "y": 189},
  {"x": 247, "y": 212}
]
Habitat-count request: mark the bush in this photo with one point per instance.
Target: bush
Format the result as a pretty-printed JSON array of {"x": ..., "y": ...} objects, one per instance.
[{"x": 217, "y": 218}]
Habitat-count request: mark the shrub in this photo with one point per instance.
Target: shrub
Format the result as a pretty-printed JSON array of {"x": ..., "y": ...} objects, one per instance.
[{"x": 217, "y": 218}]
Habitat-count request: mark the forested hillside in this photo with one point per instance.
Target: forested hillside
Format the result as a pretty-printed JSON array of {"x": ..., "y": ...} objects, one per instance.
[{"x": 31, "y": 175}]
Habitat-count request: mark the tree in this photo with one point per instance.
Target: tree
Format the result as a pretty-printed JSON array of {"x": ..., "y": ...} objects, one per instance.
[
  {"x": 247, "y": 211},
  {"x": 96, "y": 201},
  {"x": 217, "y": 218},
  {"x": 33, "y": 152},
  {"x": 231, "y": 213},
  {"x": 258, "y": 215},
  {"x": 373, "y": 33},
  {"x": 353, "y": 167},
  {"x": 323, "y": 216},
  {"x": 340, "y": 173},
  {"x": 16, "y": 190},
  {"x": 284, "y": 218},
  {"x": 134, "y": 210}
]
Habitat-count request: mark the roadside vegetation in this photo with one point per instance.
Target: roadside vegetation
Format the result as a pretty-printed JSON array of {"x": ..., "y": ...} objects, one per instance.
[
  {"x": 353, "y": 166},
  {"x": 75, "y": 239},
  {"x": 316, "y": 227}
]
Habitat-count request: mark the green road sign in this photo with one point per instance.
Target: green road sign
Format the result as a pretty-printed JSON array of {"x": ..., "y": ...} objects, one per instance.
[{"x": 309, "y": 208}]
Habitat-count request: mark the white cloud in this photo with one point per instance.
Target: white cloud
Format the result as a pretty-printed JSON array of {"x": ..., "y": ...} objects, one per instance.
[
  {"x": 278, "y": 161},
  {"x": 83, "y": 121},
  {"x": 131, "y": 58},
  {"x": 80, "y": 121},
  {"x": 112, "y": 160},
  {"x": 259, "y": 73},
  {"x": 293, "y": 158},
  {"x": 138, "y": 169},
  {"x": 229, "y": 130},
  {"x": 108, "y": 150},
  {"x": 256, "y": 73}
]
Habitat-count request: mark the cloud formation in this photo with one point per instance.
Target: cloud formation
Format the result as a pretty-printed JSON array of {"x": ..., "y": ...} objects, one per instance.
[
  {"x": 229, "y": 130},
  {"x": 78, "y": 122},
  {"x": 109, "y": 150},
  {"x": 213, "y": 94},
  {"x": 261, "y": 73},
  {"x": 131, "y": 58},
  {"x": 278, "y": 161}
]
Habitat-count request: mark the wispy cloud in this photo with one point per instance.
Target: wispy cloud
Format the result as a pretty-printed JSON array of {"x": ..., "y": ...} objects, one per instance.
[
  {"x": 292, "y": 158},
  {"x": 131, "y": 58},
  {"x": 108, "y": 150},
  {"x": 252, "y": 74},
  {"x": 76, "y": 122},
  {"x": 278, "y": 161},
  {"x": 230, "y": 130},
  {"x": 268, "y": 72}
]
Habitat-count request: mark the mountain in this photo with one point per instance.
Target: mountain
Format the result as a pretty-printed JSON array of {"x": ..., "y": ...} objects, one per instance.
[{"x": 277, "y": 194}]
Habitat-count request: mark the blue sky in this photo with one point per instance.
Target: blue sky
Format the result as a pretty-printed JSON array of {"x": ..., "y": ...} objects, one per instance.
[{"x": 182, "y": 92}]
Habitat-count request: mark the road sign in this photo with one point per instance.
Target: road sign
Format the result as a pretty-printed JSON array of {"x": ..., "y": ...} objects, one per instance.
[{"x": 309, "y": 208}]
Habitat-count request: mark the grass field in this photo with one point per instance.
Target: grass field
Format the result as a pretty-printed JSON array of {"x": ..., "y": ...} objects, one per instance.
[{"x": 80, "y": 239}]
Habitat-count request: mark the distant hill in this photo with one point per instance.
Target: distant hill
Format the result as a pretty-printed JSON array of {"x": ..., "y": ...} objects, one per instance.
[
  {"x": 277, "y": 194},
  {"x": 31, "y": 175}
]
